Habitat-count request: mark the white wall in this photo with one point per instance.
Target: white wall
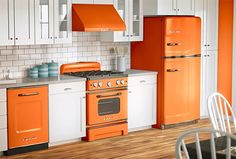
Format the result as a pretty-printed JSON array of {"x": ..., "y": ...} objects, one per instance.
[{"x": 86, "y": 46}]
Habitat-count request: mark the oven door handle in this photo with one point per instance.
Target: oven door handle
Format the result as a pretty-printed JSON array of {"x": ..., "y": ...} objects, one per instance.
[{"x": 113, "y": 95}]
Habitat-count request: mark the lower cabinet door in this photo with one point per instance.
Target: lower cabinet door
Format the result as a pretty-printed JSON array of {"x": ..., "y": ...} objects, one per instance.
[
  {"x": 27, "y": 116},
  {"x": 66, "y": 116},
  {"x": 141, "y": 106},
  {"x": 3, "y": 139}
]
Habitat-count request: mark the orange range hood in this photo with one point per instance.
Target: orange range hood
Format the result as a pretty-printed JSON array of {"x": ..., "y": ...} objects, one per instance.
[{"x": 94, "y": 17}]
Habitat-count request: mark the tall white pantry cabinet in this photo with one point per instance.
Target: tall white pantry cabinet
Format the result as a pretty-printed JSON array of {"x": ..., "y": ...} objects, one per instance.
[{"x": 208, "y": 10}]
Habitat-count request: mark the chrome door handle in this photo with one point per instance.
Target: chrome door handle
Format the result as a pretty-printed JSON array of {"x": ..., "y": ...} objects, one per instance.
[
  {"x": 172, "y": 70},
  {"x": 28, "y": 94},
  {"x": 113, "y": 95},
  {"x": 172, "y": 44},
  {"x": 67, "y": 89}
]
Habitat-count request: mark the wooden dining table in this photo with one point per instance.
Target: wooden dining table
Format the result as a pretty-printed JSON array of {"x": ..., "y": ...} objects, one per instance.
[{"x": 220, "y": 145}]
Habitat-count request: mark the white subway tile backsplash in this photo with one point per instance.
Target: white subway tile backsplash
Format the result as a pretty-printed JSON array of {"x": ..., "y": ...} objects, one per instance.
[
  {"x": 6, "y": 63},
  {"x": 6, "y": 52},
  {"x": 86, "y": 46}
]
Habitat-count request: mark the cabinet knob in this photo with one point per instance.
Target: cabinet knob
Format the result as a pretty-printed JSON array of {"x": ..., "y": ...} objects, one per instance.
[
  {"x": 177, "y": 9},
  {"x": 55, "y": 37},
  {"x": 11, "y": 38},
  {"x": 208, "y": 45},
  {"x": 174, "y": 9},
  {"x": 16, "y": 38},
  {"x": 51, "y": 37},
  {"x": 127, "y": 35}
]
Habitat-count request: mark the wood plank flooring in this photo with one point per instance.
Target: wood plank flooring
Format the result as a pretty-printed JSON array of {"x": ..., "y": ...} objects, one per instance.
[{"x": 147, "y": 144}]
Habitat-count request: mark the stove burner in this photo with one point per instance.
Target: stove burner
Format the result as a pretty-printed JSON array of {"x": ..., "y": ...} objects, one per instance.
[{"x": 96, "y": 74}]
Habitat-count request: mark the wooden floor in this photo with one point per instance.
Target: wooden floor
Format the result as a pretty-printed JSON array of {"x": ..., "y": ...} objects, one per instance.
[{"x": 152, "y": 143}]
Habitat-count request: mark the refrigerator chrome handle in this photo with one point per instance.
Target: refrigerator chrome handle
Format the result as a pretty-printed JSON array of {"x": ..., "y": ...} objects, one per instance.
[
  {"x": 172, "y": 44},
  {"x": 172, "y": 70}
]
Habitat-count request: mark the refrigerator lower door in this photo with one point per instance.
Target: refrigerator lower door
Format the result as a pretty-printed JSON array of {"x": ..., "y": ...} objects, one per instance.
[{"x": 181, "y": 90}]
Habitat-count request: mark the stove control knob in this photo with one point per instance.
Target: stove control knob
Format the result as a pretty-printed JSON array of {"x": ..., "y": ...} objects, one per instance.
[
  {"x": 109, "y": 84},
  {"x": 95, "y": 85},
  {"x": 122, "y": 82},
  {"x": 118, "y": 82},
  {"x": 99, "y": 84}
]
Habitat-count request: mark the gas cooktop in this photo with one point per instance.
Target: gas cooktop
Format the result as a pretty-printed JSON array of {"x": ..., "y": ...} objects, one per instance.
[{"x": 97, "y": 74}]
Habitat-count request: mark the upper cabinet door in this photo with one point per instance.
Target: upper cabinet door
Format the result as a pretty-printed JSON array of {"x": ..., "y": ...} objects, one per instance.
[
  {"x": 185, "y": 7},
  {"x": 7, "y": 18},
  {"x": 62, "y": 21},
  {"x": 122, "y": 7},
  {"x": 24, "y": 22},
  {"x": 166, "y": 7},
  {"x": 103, "y": 1},
  {"x": 136, "y": 20},
  {"x": 44, "y": 21},
  {"x": 212, "y": 24}
]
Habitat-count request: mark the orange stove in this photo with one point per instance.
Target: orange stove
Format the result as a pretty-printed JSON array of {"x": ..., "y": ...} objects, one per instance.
[{"x": 106, "y": 99}]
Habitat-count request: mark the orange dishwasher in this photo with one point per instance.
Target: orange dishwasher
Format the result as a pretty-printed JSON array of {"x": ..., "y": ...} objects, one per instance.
[{"x": 27, "y": 119}]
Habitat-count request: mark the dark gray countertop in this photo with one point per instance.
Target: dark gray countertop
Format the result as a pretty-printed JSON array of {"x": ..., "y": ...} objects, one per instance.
[
  {"x": 133, "y": 72},
  {"x": 25, "y": 82}
]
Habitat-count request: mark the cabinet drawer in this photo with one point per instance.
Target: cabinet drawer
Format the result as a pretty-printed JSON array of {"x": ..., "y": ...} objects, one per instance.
[
  {"x": 3, "y": 97},
  {"x": 137, "y": 80},
  {"x": 3, "y": 108},
  {"x": 3, "y": 139},
  {"x": 3, "y": 122},
  {"x": 66, "y": 87}
]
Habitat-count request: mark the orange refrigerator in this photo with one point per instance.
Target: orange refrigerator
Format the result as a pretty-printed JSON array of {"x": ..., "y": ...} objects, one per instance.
[{"x": 172, "y": 46}]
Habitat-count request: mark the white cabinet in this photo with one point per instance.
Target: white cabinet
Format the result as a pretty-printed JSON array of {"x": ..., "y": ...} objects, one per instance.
[
  {"x": 169, "y": 7},
  {"x": 131, "y": 11},
  {"x": 3, "y": 120},
  {"x": 141, "y": 101},
  {"x": 208, "y": 10},
  {"x": 18, "y": 19},
  {"x": 53, "y": 21},
  {"x": 7, "y": 18},
  {"x": 67, "y": 112},
  {"x": 209, "y": 78}
]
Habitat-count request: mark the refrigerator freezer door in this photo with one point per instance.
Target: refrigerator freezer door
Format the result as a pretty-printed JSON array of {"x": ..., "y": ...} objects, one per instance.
[
  {"x": 182, "y": 36},
  {"x": 181, "y": 90}
]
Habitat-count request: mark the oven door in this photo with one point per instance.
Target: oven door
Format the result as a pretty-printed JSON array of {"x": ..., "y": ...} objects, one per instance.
[{"x": 106, "y": 106}]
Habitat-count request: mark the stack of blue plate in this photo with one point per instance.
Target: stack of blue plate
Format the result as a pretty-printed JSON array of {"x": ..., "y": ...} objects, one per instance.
[
  {"x": 43, "y": 70},
  {"x": 33, "y": 72},
  {"x": 52, "y": 69}
]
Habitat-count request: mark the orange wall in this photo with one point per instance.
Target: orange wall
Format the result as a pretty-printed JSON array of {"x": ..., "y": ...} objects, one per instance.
[{"x": 226, "y": 11}]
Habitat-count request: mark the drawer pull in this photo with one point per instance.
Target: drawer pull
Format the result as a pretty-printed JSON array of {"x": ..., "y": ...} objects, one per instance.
[
  {"x": 143, "y": 81},
  {"x": 67, "y": 89},
  {"x": 28, "y": 94}
]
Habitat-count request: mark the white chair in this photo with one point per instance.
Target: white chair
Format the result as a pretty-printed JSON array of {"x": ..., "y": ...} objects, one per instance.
[
  {"x": 221, "y": 113},
  {"x": 195, "y": 135}
]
